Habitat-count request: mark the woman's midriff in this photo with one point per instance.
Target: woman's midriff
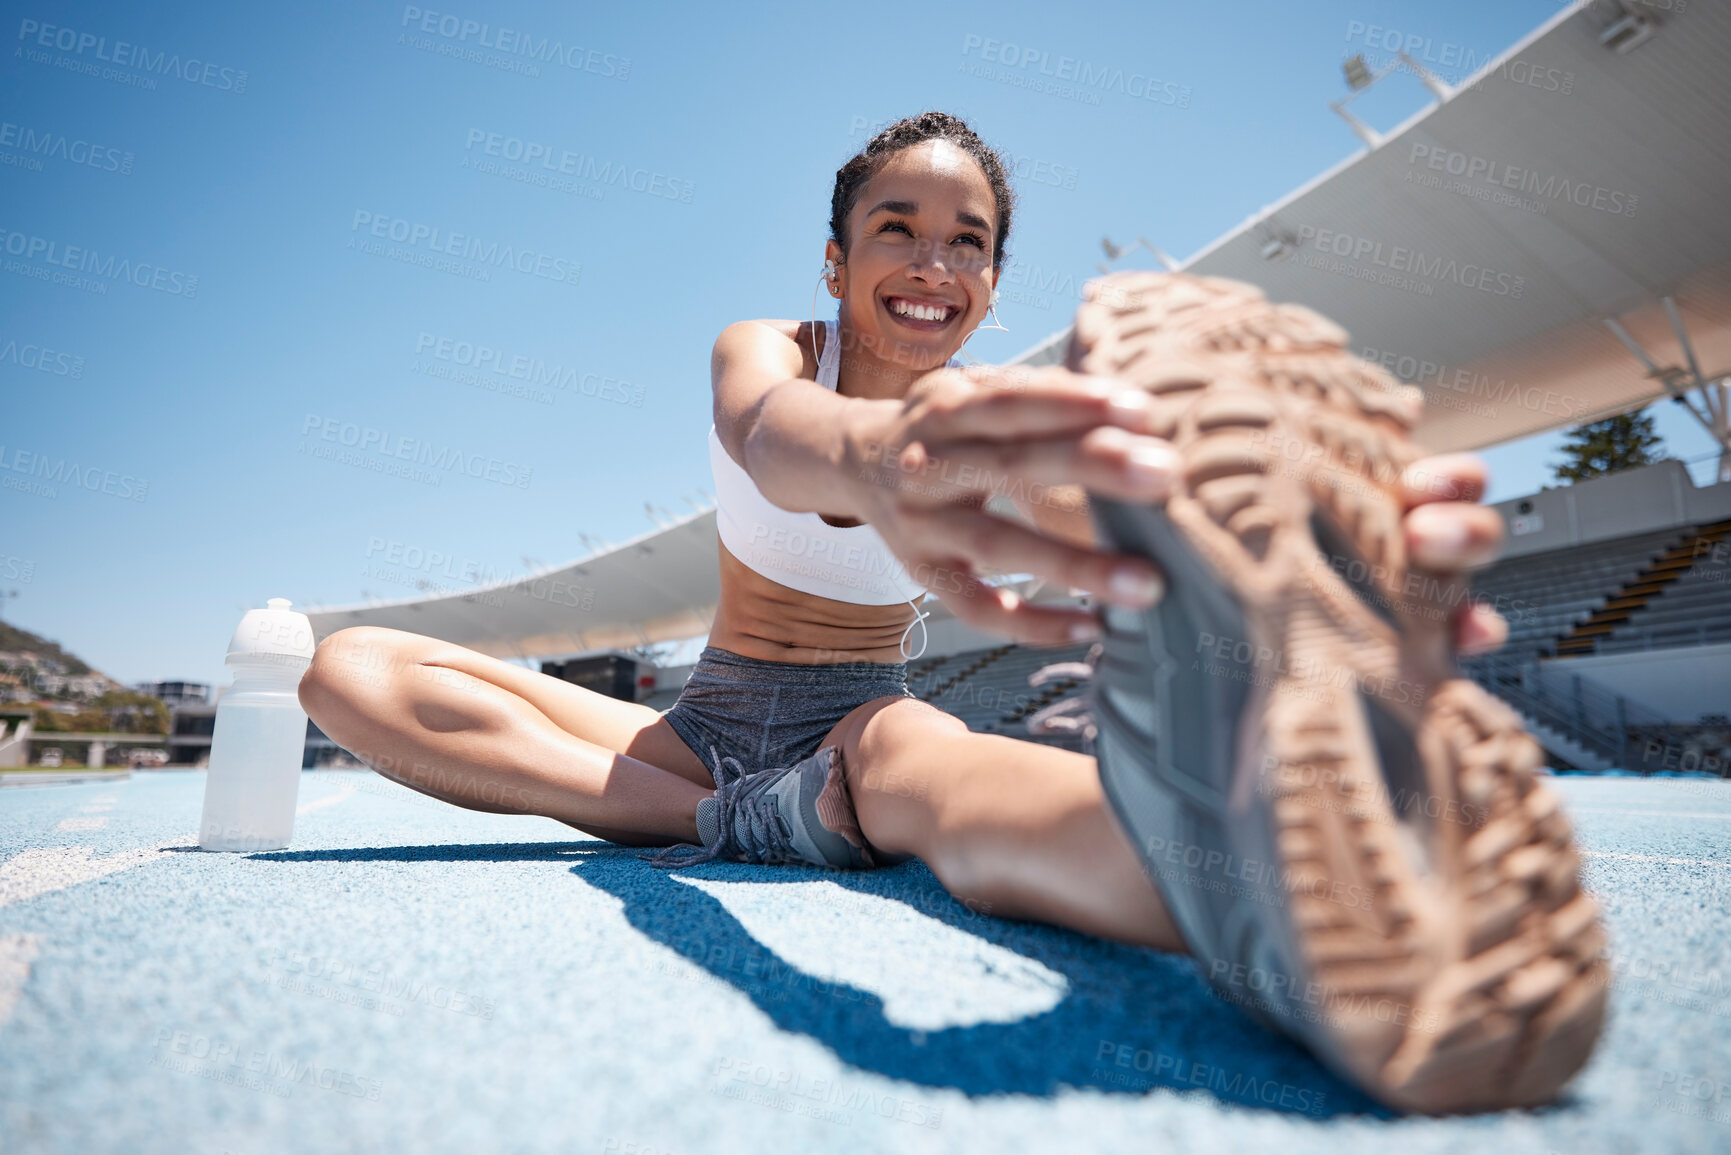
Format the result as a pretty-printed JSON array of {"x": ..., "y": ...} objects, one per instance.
[{"x": 761, "y": 618}]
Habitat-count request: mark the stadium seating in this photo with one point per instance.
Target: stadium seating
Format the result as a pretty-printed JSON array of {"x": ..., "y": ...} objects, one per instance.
[
  {"x": 1544, "y": 595},
  {"x": 995, "y": 697},
  {"x": 1692, "y": 609},
  {"x": 1675, "y": 583}
]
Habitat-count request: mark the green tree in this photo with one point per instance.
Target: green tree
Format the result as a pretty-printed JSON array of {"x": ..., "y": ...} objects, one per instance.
[
  {"x": 118, "y": 711},
  {"x": 1610, "y": 446},
  {"x": 130, "y": 712}
]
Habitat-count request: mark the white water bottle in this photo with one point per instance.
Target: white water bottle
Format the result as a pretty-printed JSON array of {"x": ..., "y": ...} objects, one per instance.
[{"x": 255, "y": 753}]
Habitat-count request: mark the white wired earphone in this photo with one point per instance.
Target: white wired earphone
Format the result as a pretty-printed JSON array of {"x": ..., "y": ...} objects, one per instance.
[
  {"x": 991, "y": 311},
  {"x": 828, "y": 274}
]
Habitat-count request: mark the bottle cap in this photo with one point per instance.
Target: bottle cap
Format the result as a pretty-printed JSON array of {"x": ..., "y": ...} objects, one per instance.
[{"x": 275, "y": 634}]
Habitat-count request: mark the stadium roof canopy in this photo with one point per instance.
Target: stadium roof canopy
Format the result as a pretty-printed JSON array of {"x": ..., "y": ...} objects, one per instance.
[
  {"x": 660, "y": 587},
  {"x": 1477, "y": 250}
]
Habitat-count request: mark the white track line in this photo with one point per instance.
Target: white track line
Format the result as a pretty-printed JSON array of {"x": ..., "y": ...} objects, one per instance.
[
  {"x": 343, "y": 794},
  {"x": 32, "y": 872},
  {"x": 17, "y": 952},
  {"x": 1653, "y": 858},
  {"x": 82, "y": 824},
  {"x": 1637, "y": 812}
]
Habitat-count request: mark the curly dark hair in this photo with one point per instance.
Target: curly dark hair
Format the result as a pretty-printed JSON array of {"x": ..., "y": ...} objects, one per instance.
[{"x": 851, "y": 177}]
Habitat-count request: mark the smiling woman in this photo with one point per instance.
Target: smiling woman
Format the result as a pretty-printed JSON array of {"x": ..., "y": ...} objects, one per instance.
[{"x": 853, "y": 461}]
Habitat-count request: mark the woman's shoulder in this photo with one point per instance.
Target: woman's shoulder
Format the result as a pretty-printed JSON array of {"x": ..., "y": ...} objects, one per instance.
[
  {"x": 793, "y": 332},
  {"x": 782, "y": 341}
]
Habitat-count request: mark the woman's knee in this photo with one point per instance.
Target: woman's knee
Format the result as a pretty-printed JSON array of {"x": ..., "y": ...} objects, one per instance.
[
  {"x": 357, "y": 657},
  {"x": 371, "y": 671},
  {"x": 886, "y": 742},
  {"x": 892, "y": 750}
]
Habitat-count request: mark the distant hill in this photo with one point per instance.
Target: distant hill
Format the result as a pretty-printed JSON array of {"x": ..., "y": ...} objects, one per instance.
[{"x": 13, "y": 638}]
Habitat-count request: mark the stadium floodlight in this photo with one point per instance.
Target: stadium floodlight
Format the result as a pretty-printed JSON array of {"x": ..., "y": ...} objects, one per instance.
[
  {"x": 1629, "y": 33},
  {"x": 1160, "y": 254},
  {"x": 1115, "y": 251},
  {"x": 1359, "y": 78},
  {"x": 1275, "y": 242}
]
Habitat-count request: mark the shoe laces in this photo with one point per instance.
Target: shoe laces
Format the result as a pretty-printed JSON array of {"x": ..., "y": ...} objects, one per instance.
[{"x": 739, "y": 795}]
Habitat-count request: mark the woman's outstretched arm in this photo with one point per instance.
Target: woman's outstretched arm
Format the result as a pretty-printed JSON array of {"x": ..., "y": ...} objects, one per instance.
[
  {"x": 786, "y": 431},
  {"x": 919, "y": 468}
]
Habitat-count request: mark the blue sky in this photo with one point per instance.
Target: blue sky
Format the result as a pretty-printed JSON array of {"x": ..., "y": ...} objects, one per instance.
[{"x": 340, "y": 180}]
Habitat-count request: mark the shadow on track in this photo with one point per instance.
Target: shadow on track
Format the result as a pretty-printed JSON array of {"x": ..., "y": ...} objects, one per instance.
[{"x": 1131, "y": 1020}]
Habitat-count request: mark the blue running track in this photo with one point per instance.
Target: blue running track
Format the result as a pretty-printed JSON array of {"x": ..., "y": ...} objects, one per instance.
[{"x": 412, "y": 977}]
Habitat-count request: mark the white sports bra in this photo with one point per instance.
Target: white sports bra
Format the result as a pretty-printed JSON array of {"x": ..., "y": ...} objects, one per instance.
[{"x": 801, "y": 550}]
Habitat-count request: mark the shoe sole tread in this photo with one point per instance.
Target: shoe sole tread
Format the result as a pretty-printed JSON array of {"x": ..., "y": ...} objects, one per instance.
[{"x": 1478, "y": 926}]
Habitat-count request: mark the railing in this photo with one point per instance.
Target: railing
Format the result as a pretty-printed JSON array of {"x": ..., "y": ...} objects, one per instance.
[
  {"x": 1669, "y": 637},
  {"x": 1594, "y": 718}
]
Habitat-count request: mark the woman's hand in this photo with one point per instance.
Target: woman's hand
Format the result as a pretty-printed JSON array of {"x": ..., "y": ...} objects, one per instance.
[
  {"x": 1448, "y": 532},
  {"x": 922, "y": 477}
]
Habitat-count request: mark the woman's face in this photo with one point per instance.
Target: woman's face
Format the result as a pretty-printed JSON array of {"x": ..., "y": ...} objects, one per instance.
[{"x": 918, "y": 275}]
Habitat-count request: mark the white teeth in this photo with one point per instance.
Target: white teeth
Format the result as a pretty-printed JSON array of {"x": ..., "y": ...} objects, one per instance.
[{"x": 920, "y": 312}]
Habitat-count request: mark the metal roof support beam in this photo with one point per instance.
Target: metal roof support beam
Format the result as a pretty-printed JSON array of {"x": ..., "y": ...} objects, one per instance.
[
  {"x": 1717, "y": 418},
  {"x": 1665, "y": 377},
  {"x": 1439, "y": 88},
  {"x": 1714, "y": 398},
  {"x": 1115, "y": 252}
]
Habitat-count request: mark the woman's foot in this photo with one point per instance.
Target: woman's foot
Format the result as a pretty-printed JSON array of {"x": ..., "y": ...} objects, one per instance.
[
  {"x": 801, "y": 814},
  {"x": 1351, "y": 837}
]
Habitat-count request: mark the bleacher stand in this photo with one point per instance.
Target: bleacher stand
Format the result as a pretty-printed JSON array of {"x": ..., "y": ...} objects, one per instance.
[{"x": 1593, "y": 594}]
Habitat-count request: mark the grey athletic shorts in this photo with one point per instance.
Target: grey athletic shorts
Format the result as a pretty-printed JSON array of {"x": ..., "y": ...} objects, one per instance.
[{"x": 773, "y": 713}]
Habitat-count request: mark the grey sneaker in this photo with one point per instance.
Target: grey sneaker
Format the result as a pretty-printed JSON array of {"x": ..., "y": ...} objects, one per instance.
[
  {"x": 1351, "y": 838},
  {"x": 801, "y": 814}
]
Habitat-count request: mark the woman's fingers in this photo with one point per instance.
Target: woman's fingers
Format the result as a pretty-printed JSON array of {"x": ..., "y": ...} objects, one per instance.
[
  {"x": 1445, "y": 477},
  {"x": 1002, "y": 612},
  {"x": 996, "y": 545},
  {"x": 1451, "y": 536},
  {"x": 1106, "y": 460},
  {"x": 991, "y": 402},
  {"x": 1479, "y": 629},
  {"x": 1447, "y": 533}
]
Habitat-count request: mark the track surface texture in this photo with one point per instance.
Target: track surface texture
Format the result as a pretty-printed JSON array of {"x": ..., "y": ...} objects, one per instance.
[{"x": 413, "y": 977}]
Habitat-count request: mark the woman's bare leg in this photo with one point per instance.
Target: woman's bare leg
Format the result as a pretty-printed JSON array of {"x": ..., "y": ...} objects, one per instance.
[
  {"x": 487, "y": 735},
  {"x": 1013, "y": 828}
]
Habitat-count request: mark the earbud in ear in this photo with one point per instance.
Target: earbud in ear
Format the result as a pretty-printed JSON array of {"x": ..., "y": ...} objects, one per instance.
[{"x": 829, "y": 269}]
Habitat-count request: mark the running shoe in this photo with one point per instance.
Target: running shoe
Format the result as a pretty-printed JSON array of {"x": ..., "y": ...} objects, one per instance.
[
  {"x": 1354, "y": 841},
  {"x": 800, "y": 814}
]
